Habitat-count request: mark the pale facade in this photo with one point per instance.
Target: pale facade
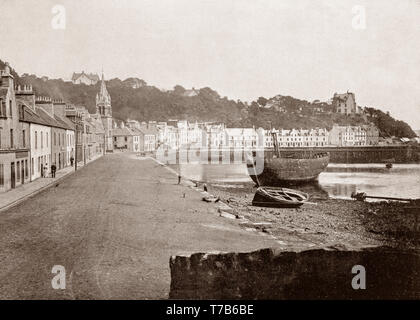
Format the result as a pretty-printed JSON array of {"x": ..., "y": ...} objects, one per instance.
[
  {"x": 241, "y": 137},
  {"x": 344, "y": 136},
  {"x": 40, "y": 149}
]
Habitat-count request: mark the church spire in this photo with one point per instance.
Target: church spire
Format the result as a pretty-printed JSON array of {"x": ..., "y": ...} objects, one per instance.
[
  {"x": 103, "y": 99},
  {"x": 103, "y": 95}
]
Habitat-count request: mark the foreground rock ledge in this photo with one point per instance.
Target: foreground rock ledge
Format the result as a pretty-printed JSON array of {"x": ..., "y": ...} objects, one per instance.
[{"x": 323, "y": 273}]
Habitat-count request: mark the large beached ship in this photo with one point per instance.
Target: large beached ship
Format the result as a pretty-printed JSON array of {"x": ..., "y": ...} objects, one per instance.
[
  {"x": 281, "y": 170},
  {"x": 278, "y": 170}
]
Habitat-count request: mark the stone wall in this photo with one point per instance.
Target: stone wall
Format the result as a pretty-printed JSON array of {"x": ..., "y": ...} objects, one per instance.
[{"x": 313, "y": 274}]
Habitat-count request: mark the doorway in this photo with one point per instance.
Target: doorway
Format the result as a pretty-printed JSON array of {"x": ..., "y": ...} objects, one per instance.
[
  {"x": 22, "y": 172},
  {"x": 12, "y": 175}
]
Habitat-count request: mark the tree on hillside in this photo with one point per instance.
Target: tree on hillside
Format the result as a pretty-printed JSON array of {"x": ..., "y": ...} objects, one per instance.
[{"x": 262, "y": 101}]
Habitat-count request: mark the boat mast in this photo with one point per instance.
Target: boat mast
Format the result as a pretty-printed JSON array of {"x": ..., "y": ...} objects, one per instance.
[{"x": 275, "y": 142}]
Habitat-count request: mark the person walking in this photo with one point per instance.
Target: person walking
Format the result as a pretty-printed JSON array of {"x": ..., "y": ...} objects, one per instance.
[
  {"x": 46, "y": 171},
  {"x": 53, "y": 169},
  {"x": 71, "y": 160}
]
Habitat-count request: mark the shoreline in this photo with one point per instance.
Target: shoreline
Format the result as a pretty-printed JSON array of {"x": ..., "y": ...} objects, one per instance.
[
  {"x": 325, "y": 221},
  {"x": 328, "y": 221}
]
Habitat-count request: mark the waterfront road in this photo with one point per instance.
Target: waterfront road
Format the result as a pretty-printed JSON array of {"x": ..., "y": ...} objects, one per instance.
[{"x": 113, "y": 225}]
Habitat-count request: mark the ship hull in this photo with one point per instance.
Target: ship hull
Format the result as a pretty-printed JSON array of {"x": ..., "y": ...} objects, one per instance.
[{"x": 286, "y": 171}]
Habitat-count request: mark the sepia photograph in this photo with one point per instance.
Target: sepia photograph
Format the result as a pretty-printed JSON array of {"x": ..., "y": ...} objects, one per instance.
[{"x": 209, "y": 155}]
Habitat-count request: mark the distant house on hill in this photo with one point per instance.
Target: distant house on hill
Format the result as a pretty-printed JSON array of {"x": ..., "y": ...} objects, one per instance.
[
  {"x": 85, "y": 78},
  {"x": 135, "y": 83},
  {"x": 345, "y": 103},
  {"x": 191, "y": 93}
]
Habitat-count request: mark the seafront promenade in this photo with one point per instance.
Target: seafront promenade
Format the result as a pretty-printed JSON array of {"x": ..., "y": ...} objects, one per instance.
[
  {"x": 24, "y": 192},
  {"x": 113, "y": 226}
]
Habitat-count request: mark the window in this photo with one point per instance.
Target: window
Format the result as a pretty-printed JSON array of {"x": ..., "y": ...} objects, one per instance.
[
  {"x": 21, "y": 112},
  {"x": 23, "y": 138},
  {"x": 47, "y": 139},
  {"x": 2, "y": 108},
  {"x": 32, "y": 166},
  {"x": 36, "y": 140},
  {"x": 18, "y": 170},
  {"x": 55, "y": 139},
  {"x": 11, "y": 139},
  {"x": 42, "y": 140},
  {"x": 26, "y": 168},
  {"x": 1, "y": 174},
  {"x": 10, "y": 107}
]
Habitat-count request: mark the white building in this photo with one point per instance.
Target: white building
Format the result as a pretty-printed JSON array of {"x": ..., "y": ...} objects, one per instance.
[
  {"x": 40, "y": 137},
  {"x": 297, "y": 138},
  {"x": 241, "y": 137},
  {"x": 343, "y": 136}
]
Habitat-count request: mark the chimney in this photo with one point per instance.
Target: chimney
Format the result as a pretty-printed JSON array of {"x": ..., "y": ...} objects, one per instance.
[
  {"x": 26, "y": 94},
  {"x": 59, "y": 108},
  {"x": 46, "y": 104},
  {"x": 6, "y": 77}
]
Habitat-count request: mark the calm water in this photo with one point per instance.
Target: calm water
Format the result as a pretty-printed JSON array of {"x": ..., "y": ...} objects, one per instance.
[{"x": 339, "y": 180}]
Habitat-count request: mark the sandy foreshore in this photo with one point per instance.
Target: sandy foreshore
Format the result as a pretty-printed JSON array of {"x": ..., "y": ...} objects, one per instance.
[{"x": 326, "y": 221}]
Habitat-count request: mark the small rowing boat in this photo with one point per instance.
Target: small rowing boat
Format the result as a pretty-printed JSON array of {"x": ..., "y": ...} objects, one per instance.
[{"x": 279, "y": 197}]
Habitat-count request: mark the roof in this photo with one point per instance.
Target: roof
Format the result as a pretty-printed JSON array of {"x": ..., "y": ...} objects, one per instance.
[
  {"x": 122, "y": 132},
  {"x": 42, "y": 118},
  {"x": 64, "y": 123},
  {"x": 148, "y": 130},
  {"x": 96, "y": 121},
  {"x": 91, "y": 76}
]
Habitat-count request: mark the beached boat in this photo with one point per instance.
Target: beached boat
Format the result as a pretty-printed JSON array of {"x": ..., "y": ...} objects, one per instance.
[
  {"x": 279, "y": 197},
  {"x": 281, "y": 171}
]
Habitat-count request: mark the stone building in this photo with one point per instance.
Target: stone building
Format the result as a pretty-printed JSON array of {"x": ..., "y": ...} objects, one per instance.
[
  {"x": 147, "y": 138},
  {"x": 345, "y": 103},
  {"x": 345, "y": 136},
  {"x": 372, "y": 134},
  {"x": 125, "y": 139},
  {"x": 57, "y": 132},
  {"x": 14, "y": 137},
  {"x": 74, "y": 114}
]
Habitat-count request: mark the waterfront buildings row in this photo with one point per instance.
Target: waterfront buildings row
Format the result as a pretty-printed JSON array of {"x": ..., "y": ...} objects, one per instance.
[
  {"x": 38, "y": 132},
  {"x": 135, "y": 136}
]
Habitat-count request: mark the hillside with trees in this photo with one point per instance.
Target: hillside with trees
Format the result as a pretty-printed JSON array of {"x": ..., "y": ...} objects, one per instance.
[{"x": 133, "y": 98}]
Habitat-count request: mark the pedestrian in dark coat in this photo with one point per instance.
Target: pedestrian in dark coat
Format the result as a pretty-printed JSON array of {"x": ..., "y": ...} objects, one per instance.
[{"x": 53, "y": 169}]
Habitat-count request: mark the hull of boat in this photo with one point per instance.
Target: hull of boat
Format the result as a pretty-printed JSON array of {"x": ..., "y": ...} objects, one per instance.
[
  {"x": 278, "y": 199},
  {"x": 281, "y": 171}
]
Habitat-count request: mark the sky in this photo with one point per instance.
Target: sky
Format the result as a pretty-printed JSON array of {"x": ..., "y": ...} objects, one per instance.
[{"x": 243, "y": 49}]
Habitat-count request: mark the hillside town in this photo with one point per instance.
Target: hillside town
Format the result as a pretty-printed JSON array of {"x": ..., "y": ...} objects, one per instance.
[
  {"x": 40, "y": 132},
  {"x": 181, "y": 152}
]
